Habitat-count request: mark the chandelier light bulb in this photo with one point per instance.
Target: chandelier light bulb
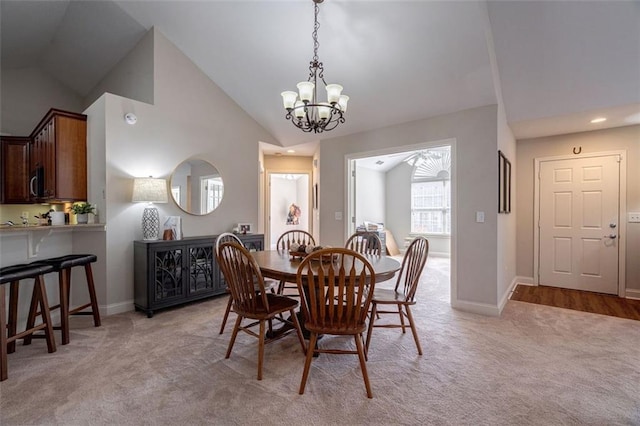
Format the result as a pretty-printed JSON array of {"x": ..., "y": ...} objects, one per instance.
[
  {"x": 324, "y": 109},
  {"x": 289, "y": 99},
  {"x": 333, "y": 93},
  {"x": 342, "y": 102},
  {"x": 306, "y": 90},
  {"x": 299, "y": 109}
]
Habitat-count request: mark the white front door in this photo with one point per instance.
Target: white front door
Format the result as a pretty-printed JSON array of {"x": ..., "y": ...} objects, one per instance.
[{"x": 578, "y": 223}]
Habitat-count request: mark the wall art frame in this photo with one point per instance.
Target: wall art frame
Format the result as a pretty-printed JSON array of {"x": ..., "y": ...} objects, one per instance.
[{"x": 504, "y": 184}]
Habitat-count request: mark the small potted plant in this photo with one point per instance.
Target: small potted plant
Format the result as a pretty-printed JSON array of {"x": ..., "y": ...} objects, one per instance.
[{"x": 82, "y": 210}]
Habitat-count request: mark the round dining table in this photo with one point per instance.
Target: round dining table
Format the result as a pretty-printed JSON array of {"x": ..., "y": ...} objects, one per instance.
[{"x": 282, "y": 266}]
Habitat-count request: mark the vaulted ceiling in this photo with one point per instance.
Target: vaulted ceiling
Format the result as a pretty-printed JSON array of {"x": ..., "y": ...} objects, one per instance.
[{"x": 555, "y": 64}]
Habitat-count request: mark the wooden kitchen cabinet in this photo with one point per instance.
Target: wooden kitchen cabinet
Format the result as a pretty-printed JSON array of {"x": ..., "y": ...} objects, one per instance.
[
  {"x": 58, "y": 158},
  {"x": 14, "y": 173}
]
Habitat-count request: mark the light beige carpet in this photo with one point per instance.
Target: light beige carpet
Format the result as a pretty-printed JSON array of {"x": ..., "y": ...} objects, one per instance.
[{"x": 535, "y": 365}]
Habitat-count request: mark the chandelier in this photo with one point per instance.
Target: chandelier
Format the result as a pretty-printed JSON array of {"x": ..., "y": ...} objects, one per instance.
[{"x": 307, "y": 113}]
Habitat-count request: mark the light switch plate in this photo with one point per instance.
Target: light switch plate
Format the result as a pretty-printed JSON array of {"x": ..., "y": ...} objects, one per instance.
[
  {"x": 480, "y": 217},
  {"x": 338, "y": 215},
  {"x": 634, "y": 217}
]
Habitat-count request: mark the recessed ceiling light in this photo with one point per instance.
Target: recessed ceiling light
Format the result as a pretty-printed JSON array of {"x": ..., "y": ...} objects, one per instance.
[
  {"x": 598, "y": 120},
  {"x": 291, "y": 151}
]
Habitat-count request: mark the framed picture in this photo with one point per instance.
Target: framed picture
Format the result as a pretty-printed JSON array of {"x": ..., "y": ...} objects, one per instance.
[
  {"x": 245, "y": 228},
  {"x": 315, "y": 196},
  {"x": 504, "y": 184}
]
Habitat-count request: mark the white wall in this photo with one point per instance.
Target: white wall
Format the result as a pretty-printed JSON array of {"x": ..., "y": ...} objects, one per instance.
[
  {"x": 398, "y": 206},
  {"x": 303, "y": 201},
  {"x": 132, "y": 77},
  {"x": 474, "y": 248},
  {"x": 398, "y": 211},
  {"x": 191, "y": 117},
  {"x": 283, "y": 193},
  {"x": 507, "y": 222},
  {"x": 370, "y": 196},
  {"x": 26, "y": 96}
]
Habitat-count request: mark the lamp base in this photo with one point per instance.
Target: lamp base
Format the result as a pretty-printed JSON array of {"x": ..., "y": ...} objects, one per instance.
[{"x": 150, "y": 223}]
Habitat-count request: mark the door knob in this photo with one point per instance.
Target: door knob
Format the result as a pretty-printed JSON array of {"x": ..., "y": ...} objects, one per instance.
[
  {"x": 612, "y": 236},
  {"x": 612, "y": 225}
]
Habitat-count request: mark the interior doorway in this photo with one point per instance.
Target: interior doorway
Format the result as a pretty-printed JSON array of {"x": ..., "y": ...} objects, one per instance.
[
  {"x": 289, "y": 204},
  {"x": 406, "y": 192}
]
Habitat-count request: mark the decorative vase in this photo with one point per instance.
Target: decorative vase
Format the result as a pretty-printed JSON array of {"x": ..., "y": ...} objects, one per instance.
[{"x": 82, "y": 217}]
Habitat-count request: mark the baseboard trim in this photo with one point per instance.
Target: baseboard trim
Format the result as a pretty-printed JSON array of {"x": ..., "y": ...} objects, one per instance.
[
  {"x": 476, "y": 308},
  {"x": 507, "y": 295},
  {"x": 440, "y": 254},
  {"x": 632, "y": 293},
  {"x": 118, "y": 308},
  {"x": 525, "y": 280}
]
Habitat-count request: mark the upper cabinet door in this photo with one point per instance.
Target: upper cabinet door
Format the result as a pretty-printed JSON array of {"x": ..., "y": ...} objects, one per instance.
[{"x": 14, "y": 176}]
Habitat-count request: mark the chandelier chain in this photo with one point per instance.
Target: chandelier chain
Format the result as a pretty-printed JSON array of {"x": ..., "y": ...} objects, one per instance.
[{"x": 316, "y": 26}]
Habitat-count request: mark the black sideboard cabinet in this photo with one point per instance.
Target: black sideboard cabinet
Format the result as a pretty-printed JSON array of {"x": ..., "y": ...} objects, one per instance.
[{"x": 173, "y": 272}]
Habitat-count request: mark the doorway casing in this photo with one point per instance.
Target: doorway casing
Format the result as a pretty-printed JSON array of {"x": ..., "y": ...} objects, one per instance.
[{"x": 349, "y": 202}]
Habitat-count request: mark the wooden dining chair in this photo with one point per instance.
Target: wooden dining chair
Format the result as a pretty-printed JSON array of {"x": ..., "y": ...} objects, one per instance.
[
  {"x": 242, "y": 275},
  {"x": 336, "y": 286},
  {"x": 403, "y": 295},
  {"x": 269, "y": 284},
  {"x": 366, "y": 243},
  {"x": 283, "y": 245}
]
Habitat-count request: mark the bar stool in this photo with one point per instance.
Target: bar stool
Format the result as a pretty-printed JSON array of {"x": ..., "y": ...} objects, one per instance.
[
  {"x": 13, "y": 274},
  {"x": 62, "y": 265}
]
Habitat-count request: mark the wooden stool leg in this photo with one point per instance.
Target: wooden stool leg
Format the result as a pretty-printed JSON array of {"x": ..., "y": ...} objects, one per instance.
[
  {"x": 13, "y": 315},
  {"x": 46, "y": 315},
  {"x": 92, "y": 295},
  {"x": 64, "y": 280},
  {"x": 3, "y": 336},
  {"x": 33, "y": 310}
]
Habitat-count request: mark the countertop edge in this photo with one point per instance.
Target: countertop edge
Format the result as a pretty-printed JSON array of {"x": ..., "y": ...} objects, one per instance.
[{"x": 62, "y": 228}]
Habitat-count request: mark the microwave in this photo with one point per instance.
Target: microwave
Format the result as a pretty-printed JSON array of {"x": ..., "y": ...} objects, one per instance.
[{"x": 36, "y": 183}]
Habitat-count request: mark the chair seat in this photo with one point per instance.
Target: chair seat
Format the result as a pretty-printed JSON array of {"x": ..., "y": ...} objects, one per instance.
[
  {"x": 338, "y": 329},
  {"x": 277, "y": 305},
  {"x": 20, "y": 272},
  {"x": 268, "y": 285},
  {"x": 387, "y": 296}
]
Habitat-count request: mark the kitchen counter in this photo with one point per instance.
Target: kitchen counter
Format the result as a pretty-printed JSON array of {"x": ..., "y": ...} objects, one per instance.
[
  {"x": 19, "y": 244},
  {"x": 39, "y": 228}
]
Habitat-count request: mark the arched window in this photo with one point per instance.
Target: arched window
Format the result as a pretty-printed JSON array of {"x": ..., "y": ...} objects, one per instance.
[{"x": 431, "y": 191}]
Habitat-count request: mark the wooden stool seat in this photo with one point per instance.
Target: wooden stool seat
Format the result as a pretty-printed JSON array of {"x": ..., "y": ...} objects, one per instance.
[
  {"x": 13, "y": 275},
  {"x": 62, "y": 265}
]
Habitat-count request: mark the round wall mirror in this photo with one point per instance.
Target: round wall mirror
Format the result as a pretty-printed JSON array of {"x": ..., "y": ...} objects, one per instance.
[{"x": 197, "y": 187}]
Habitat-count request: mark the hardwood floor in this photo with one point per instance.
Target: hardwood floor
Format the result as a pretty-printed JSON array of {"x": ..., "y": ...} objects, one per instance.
[{"x": 585, "y": 301}]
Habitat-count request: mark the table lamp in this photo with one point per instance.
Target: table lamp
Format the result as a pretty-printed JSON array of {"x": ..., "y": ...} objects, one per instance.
[{"x": 150, "y": 190}]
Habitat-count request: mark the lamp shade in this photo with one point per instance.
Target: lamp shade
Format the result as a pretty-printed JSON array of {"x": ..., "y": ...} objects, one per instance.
[{"x": 149, "y": 190}]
